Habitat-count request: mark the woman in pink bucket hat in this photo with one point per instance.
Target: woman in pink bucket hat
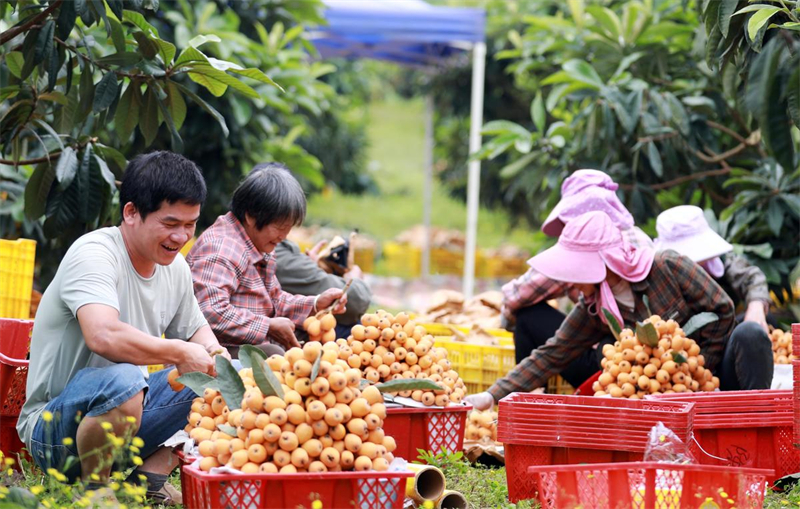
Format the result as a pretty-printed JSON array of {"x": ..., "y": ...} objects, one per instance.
[
  {"x": 525, "y": 298},
  {"x": 685, "y": 229},
  {"x": 612, "y": 274}
]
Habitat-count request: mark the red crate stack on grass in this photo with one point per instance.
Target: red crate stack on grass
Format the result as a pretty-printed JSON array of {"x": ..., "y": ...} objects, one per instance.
[
  {"x": 743, "y": 429},
  {"x": 542, "y": 429},
  {"x": 15, "y": 339}
]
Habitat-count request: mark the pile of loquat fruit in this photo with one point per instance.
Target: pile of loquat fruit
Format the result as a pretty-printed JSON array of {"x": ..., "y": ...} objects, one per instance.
[{"x": 633, "y": 369}]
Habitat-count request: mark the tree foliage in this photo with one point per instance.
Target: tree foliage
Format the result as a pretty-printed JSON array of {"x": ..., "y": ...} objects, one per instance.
[{"x": 681, "y": 102}]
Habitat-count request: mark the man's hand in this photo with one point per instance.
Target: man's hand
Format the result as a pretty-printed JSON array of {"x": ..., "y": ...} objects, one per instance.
[
  {"x": 282, "y": 331},
  {"x": 756, "y": 313},
  {"x": 196, "y": 358},
  {"x": 353, "y": 272},
  {"x": 327, "y": 297},
  {"x": 481, "y": 401},
  {"x": 218, "y": 350},
  {"x": 313, "y": 253}
]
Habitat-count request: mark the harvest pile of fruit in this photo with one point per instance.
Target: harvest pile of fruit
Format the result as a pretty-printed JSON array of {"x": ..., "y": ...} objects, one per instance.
[
  {"x": 482, "y": 425},
  {"x": 314, "y": 417},
  {"x": 385, "y": 347},
  {"x": 781, "y": 346},
  {"x": 657, "y": 358}
]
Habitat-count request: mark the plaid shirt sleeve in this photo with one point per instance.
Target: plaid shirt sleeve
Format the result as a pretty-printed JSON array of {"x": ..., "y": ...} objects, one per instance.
[
  {"x": 578, "y": 333},
  {"x": 529, "y": 289},
  {"x": 294, "y": 307},
  {"x": 702, "y": 294},
  {"x": 747, "y": 280},
  {"x": 215, "y": 277}
]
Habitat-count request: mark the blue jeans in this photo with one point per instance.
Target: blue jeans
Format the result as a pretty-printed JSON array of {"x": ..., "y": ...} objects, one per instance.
[{"x": 96, "y": 391}]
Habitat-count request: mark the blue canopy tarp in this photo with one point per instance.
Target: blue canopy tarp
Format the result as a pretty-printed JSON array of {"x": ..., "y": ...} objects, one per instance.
[{"x": 410, "y": 32}]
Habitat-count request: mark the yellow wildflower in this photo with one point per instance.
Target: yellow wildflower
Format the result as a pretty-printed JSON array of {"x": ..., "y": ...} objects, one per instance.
[
  {"x": 106, "y": 426},
  {"x": 135, "y": 449},
  {"x": 37, "y": 489},
  {"x": 68, "y": 441},
  {"x": 138, "y": 442},
  {"x": 47, "y": 416},
  {"x": 131, "y": 419},
  {"x": 114, "y": 486},
  {"x": 8, "y": 461},
  {"x": 137, "y": 461},
  {"x": 317, "y": 504},
  {"x": 95, "y": 477}
]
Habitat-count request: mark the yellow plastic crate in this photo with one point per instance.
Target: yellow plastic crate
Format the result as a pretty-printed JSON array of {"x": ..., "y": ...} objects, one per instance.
[
  {"x": 402, "y": 260},
  {"x": 365, "y": 258},
  {"x": 154, "y": 367},
  {"x": 188, "y": 246},
  {"x": 17, "y": 259},
  {"x": 443, "y": 329},
  {"x": 498, "y": 267},
  {"x": 478, "y": 365},
  {"x": 557, "y": 385}
]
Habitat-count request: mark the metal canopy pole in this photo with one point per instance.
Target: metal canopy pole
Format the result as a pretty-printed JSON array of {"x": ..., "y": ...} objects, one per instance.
[
  {"x": 474, "y": 179},
  {"x": 427, "y": 191}
]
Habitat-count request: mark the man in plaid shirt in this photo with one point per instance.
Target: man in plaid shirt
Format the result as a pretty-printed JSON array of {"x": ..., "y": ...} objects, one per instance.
[
  {"x": 592, "y": 250},
  {"x": 233, "y": 265}
]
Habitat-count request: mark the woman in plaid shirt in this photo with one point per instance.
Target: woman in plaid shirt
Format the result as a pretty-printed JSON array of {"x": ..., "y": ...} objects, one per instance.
[
  {"x": 525, "y": 298},
  {"x": 233, "y": 265},
  {"x": 611, "y": 274}
]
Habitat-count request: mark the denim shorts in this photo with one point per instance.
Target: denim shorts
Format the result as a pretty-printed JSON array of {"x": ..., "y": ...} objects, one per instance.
[{"x": 96, "y": 391}]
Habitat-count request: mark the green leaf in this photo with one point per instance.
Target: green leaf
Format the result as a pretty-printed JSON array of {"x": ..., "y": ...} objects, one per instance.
[
  {"x": 775, "y": 217},
  {"x": 252, "y": 355},
  {"x": 513, "y": 169},
  {"x": 262, "y": 374},
  {"x": 199, "y": 40},
  {"x": 117, "y": 35},
  {"x": 759, "y": 19},
  {"x": 176, "y": 140},
  {"x": 147, "y": 47},
  {"x": 505, "y": 127},
  {"x": 176, "y": 104},
  {"x": 217, "y": 81},
  {"x": 66, "y": 168},
  {"x": 86, "y": 90},
  {"x": 315, "y": 367},
  {"x": 190, "y": 55},
  {"x": 20, "y": 498},
  {"x": 655, "y": 159},
  {"x": 37, "y": 189},
  {"x": 105, "y": 172},
  {"x": 90, "y": 187},
  {"x": 230, "y": 383},
  {"x": 105, "y": 92},
  {"x": 608, "y": 20},
  {"x": 583, "y": 72},
  {"x": 198, "y": 382},
  {"x": 122, "y": 59},
  {"x": 793, "y": 93},
  {"x": 538, "y": 114},
  {"x": 136, "y": 19},
  {"x": 409, "y": 384},
  {"x": 44, "y": 42},
  {"x": 699, "y": 321},
  {"x": 647, "y": 334},
  {"x": 228, "y": 430},
  {"x": 678, "y": 358},
  {"x": 646, "y": 302},
  {"x": 207, "y": 107},
  {"x": 613, "y": 324},
  {"x": 127, "y": 115},
  {"x": 66, "y": 20},
  {"x": 148, "y": 117},
  {"x": 166, "y": 50},
  {"x": 724, "y": 15},
  {"x": 15, "y": 61},
  {"x": 257, "y": 75}
]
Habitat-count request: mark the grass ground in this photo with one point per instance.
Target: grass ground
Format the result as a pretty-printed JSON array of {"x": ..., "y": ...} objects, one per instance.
[{"x": 396, "y": 159}]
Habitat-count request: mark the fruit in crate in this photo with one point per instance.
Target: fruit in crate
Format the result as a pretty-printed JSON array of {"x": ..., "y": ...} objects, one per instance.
[
  {"x": 384, "y": 347},
  {"x": 781, "y": 346},
  {"x": 298, "y": 412},
  {"x": 658, "y": 357},
  {"x": 482, "y": 426}
]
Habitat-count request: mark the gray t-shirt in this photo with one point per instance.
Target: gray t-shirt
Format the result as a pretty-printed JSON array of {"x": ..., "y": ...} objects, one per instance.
[{"x": 97, "y": 270}]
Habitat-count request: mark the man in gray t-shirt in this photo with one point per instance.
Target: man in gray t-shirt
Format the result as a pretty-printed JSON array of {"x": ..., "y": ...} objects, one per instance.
[{"x": 100, "y": 323}]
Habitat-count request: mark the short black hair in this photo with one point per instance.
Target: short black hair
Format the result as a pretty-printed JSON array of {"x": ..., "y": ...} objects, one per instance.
[
  {"x": 269, "y": 194},
  {"x": 150, "y": 179}
]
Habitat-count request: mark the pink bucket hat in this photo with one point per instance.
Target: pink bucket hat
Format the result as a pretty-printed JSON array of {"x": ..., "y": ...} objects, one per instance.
[
  {"x": 588, "y": 246},
  {"x": 684, "y": 229},
  {"x": 585, "y": 191}
]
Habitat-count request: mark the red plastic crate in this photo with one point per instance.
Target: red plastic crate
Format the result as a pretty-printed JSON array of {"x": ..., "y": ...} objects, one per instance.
[
  {"x": 15, "y": 338},
  {"x": 522, "y": 486},
  {"x": 744, "y": 429},
  {"x": 649, "y": 485},
  {"x": 429, "y": 429},
  {"x": 336, "y": 490}
]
